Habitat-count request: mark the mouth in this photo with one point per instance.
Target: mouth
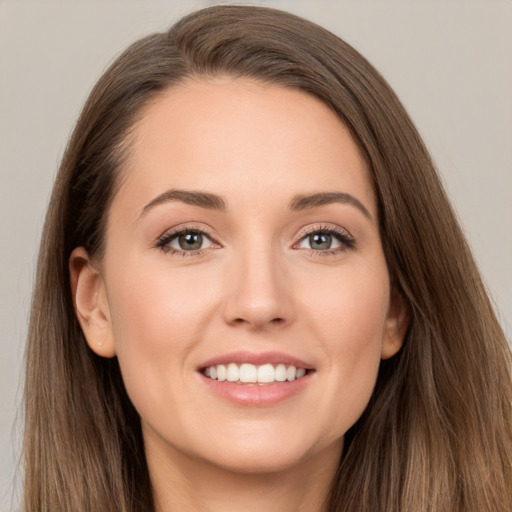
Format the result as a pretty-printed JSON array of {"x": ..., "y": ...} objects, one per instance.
[
  {"x": 247, "y": 373},
  {"x": 256, "y": 380}
]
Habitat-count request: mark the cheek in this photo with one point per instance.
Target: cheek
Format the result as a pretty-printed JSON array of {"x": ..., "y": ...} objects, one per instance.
[
  {"x": 350, "y": 307},
  {"x": 155, "y": 306},
  {"x": 349, "y": 318},
  {"x": 157, "y": 319}
]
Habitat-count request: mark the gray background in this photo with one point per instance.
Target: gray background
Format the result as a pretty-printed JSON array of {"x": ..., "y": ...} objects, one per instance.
[{"x": 450, "y": 61}]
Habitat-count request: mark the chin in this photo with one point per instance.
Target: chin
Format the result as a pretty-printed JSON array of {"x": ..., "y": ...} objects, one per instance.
[
  {"x": 263, "y": 456},
  {"x": 259, "y": 463}
]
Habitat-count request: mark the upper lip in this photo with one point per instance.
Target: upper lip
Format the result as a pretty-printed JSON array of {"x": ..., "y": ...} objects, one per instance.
[{"x": 256, "y": 359}]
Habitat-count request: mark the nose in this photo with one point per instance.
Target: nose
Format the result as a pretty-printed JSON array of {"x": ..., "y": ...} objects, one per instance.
[{"x": 259, "y": 291}]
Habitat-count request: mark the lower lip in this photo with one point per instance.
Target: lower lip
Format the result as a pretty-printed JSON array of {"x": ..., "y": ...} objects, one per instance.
[{"x": 254, "y": 395}]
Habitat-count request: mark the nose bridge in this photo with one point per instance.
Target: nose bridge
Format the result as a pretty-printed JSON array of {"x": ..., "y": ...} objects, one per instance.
[{"x": 258, "y": 293}]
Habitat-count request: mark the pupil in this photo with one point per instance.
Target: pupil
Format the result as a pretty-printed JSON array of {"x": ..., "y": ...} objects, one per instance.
[
  {"x": 191, "y": 241},
  {"x": 320, "y": 241}
]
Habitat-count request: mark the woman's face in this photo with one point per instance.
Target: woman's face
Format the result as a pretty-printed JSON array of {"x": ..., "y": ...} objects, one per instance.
[{"x": 243, "y": 244}]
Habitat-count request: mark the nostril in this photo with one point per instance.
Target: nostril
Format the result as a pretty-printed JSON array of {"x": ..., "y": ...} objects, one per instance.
[{"x": 274, "y": 321}]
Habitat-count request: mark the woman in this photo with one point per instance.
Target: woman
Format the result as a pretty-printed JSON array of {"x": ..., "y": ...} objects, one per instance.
[{"x": 252, "y": 292}]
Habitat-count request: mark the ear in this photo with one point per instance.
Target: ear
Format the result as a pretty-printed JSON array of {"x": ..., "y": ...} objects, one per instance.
[
  {"x": 397, "y": 323},
  {"x": 90, "y": 303}
]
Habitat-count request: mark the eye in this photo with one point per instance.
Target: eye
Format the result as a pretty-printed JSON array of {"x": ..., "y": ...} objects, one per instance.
[
  {"x": 190, "y": 241},
  {"x": 327, "y": 240},
  {"x": 185, "y": 241},
  {"x": 319, "y": 242}
]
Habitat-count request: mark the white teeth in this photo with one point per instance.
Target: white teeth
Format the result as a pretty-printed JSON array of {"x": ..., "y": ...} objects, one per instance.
[
  {"x": 266, "y": 373},
  {"x": 233, "y": 372},
  {"x": 249, "y": 373},
  {"x": 221, "y": 372},
  {"x": 291, "y": 373},
  {"x": 280, "y": 373}
]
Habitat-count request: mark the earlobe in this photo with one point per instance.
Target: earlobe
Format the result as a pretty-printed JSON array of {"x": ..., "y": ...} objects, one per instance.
[
  {"x": 90, "y": 303},
  {"x": 397, "y": 324}
]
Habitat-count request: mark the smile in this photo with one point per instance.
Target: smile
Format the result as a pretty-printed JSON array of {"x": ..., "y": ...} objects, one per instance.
[
  {"x": 251, "y": 374},
  {"x": 256, "y": 379}
]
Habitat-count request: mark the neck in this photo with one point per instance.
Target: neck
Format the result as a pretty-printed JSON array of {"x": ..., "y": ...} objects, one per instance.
[{"x": 190, "y": 485}]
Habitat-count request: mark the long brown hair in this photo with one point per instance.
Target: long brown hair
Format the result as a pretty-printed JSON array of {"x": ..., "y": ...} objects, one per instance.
[{"x": 437, "y": 433}]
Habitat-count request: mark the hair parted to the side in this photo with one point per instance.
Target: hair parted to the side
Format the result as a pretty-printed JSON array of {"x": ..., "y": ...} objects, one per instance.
[{"x": 437, "y": 434}]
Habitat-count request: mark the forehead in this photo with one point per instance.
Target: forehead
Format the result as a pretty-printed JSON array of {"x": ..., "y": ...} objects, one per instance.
[{"x": 238, "y": 136}]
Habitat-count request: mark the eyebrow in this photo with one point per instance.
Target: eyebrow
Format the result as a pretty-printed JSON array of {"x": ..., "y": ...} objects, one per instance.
[
  {"x": 215, "y": 202},
  {"x": 194, "y": 198},
  {"x": 310, "y": 201}
]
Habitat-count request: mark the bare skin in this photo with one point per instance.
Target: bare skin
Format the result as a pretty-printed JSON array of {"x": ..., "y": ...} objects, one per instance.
[
  {"x": 213, "y": 489},
  {"x": 245, "y": 231}
]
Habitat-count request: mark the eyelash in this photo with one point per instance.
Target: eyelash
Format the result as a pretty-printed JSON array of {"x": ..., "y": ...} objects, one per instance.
[
  {"x": 164, "y": 241},
  {"x": 346, "y": 240}
]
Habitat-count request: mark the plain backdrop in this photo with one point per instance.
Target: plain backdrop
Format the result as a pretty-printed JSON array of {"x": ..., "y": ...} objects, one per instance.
[{"x": 450, "y": 61}]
